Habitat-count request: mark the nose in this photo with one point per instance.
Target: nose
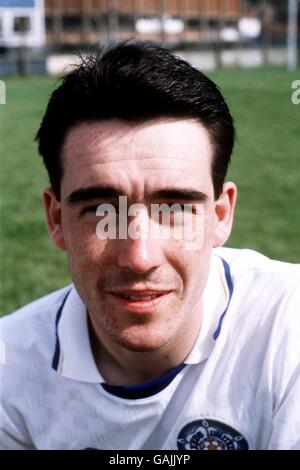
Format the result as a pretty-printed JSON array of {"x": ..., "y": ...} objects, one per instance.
[
  {"x": 139, "y": 255},
  {"x": 140, "y": 252}
]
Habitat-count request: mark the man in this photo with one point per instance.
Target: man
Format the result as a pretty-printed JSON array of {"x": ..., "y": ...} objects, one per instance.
[{"x": 162, "y": 342}]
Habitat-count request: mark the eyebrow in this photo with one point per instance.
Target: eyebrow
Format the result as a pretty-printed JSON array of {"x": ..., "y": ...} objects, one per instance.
[
  {"x": 93, "y": 192},
  {"x": 182, "y": 194},
  {"x": 108, "y": 192}
]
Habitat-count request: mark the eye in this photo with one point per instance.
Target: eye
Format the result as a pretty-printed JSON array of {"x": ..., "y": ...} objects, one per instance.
[
  {"x": 172, "y": 206},
  {"x": 89, "y": 209},
  {"x": 187, "y": 208},
  {"x": 176, "y": 206},
  {"x": 113, "y": 207}
]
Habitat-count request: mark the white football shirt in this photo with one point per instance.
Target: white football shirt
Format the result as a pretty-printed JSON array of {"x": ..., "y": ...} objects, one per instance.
[{"x": 239, "y": 387}]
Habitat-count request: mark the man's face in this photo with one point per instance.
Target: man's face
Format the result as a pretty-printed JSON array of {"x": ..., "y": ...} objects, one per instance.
[{"x": 142, "y": 294}]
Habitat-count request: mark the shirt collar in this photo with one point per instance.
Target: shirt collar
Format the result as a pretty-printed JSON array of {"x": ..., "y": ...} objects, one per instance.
[
  {"x": 73, "y": 350},
  {"x": 76, "y": 360},
  {"x": 216, "y": 298}
]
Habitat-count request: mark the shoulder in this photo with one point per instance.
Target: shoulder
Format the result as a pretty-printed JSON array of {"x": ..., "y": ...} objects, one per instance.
[
  {"x": 27, "y": 344},
  {"x": 259, "y": 344},
  {"x": 252, "y": 272},
  {"x": 31, "y": 327},
  {"x": 244, "y": 259},
  {"x": 264, "y": 306},
  {"x": 263, "y": 321}
]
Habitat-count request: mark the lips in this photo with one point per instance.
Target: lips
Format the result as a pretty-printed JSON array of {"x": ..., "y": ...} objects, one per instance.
[
  {"x": 139, "y": 301},
  {"x": 141, "y": 297}
]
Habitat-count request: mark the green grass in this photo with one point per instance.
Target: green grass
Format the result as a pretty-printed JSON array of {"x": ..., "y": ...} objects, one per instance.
[
  {"x": 30, "y": 264},
  {"x": 266, "y": 161},
  {"x": 265, "y": 166}
]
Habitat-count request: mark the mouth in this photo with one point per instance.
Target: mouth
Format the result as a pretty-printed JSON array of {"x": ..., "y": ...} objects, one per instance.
[{"x": 140, "y": 301}]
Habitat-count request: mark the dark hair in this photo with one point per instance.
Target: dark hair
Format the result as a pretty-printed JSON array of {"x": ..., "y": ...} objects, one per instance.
[{"x": 135, "y": 81}]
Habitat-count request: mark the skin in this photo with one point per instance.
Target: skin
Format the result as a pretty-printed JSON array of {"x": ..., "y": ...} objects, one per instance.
[{"x": 136, "y": 341}]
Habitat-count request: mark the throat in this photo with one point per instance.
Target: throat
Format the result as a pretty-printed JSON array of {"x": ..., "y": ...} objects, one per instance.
[
  {"x": 140, "y": 369},
  {"x": 120, "y": 365}
]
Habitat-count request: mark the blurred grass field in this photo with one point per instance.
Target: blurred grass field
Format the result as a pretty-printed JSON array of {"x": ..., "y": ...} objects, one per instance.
[{"x": 266, "y": 167}]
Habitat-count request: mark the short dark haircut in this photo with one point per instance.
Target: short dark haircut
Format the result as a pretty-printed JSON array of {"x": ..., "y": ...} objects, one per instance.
[{"x": 135, "y": 81}]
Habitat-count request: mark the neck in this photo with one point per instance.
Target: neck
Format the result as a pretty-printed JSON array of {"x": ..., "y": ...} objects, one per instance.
[{"x": 120, "y": 366}]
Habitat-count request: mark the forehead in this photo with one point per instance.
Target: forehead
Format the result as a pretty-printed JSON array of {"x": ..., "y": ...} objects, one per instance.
[{"x": 158, "y": 152}]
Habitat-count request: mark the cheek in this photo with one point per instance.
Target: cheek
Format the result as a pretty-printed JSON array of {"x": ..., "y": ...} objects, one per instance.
[
  {"x": 191, "y": 266},
  {"x": 209, "y": 226},
  {"x": 80, "y": 235},
  {"x": 85, "y": 251},
  {"x": 192, "y": 260}
]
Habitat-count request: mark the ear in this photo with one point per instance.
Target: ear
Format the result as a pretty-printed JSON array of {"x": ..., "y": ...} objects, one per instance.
[
  {"x": 224, "y": 211},
  {"x": 53, "y": 217}
]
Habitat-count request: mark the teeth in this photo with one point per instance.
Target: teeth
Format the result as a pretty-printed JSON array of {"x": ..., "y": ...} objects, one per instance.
[{"x": 137, "y": 297}]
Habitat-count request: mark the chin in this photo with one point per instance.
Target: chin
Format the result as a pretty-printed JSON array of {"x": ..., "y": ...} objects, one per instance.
[
  {"x": 139, "y": 348},
  {"x": 140, "y": 343}
]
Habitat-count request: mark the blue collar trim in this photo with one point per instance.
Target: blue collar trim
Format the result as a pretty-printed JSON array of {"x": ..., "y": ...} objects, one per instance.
[
  {"x": 55, "y": 360},
  {"x": 147, "y": 389},
  {"x": 230, "y": 288}
]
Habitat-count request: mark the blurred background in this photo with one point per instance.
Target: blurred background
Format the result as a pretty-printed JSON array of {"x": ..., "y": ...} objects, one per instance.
[
  {"x": 249, "y": 48},
  {"x": 212, "y": 32}
]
